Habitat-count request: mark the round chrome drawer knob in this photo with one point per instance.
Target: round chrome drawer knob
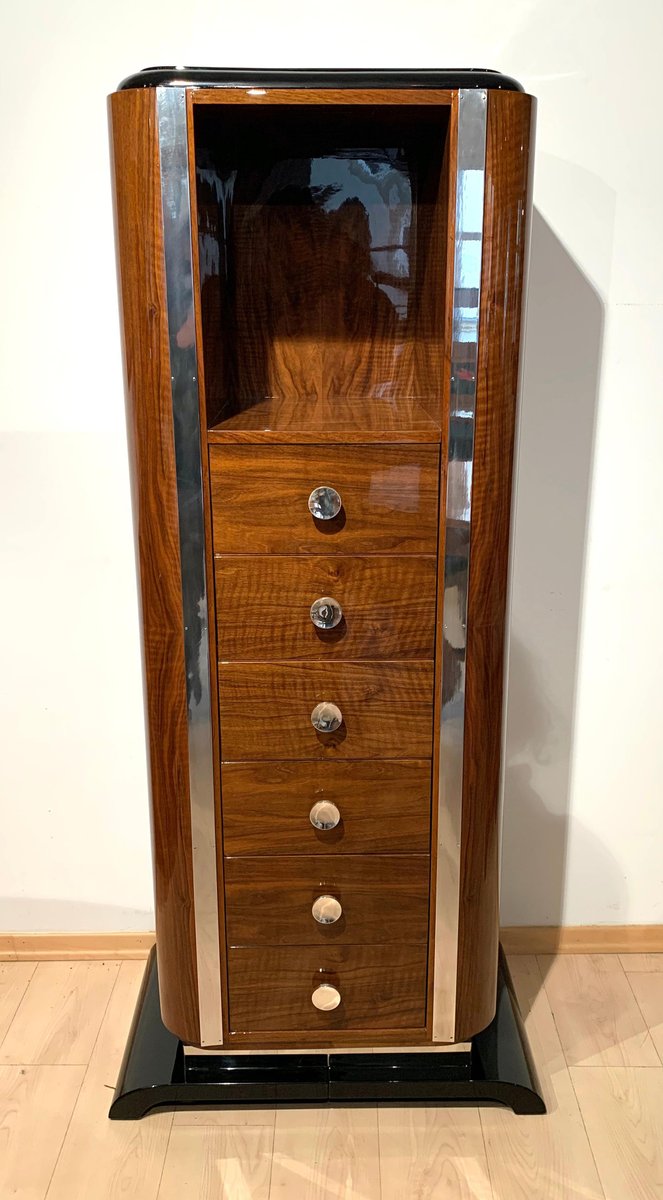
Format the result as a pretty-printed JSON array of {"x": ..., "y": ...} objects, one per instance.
[
  {"x": 326, "y": 613},
  {"x": 324, "y": 815},
  {"x": 326, "y": 997},
  {"x": 324, "y": 503},
  {"x": 326, "y": 910},
  {"x": 326, "y": 717}
]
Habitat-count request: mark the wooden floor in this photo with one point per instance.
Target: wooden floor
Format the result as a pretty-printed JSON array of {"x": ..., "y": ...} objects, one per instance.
[{"x": 595, "y": 1024}]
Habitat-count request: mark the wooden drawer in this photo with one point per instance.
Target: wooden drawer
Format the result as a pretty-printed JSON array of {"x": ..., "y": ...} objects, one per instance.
[
  {"x": 381, "y": 988},
  {"x": 260, "y": 499},
  {"x": 263, "y": 607},
  {"x": 266, "y": 710},
  {"x": 384, "y": 807},
  {"x": 383, "y": 899}
]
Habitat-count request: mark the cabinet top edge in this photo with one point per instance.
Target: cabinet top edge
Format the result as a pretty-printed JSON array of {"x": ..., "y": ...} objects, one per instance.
[{"x": 210, "y": 77}]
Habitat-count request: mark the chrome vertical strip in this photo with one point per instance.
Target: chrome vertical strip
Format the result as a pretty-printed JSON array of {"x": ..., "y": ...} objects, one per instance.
[
  {"x": 470, "y": 182},
  {"x": 176, "y": 210}
]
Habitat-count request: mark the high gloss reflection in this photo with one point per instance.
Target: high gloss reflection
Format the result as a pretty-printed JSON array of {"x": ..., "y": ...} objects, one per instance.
[
  {"x": 467, "y": 279},
  {"x": 321, "y": 260}
]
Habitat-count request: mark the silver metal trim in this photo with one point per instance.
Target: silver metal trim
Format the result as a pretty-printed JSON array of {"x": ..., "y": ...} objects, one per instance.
[
  {"x": 470, "y": 186},
  {"x": 176, "y": 213}
]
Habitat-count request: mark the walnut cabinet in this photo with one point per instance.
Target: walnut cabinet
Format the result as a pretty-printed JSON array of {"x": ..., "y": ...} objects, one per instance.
[{"x": 321, "y": 288}]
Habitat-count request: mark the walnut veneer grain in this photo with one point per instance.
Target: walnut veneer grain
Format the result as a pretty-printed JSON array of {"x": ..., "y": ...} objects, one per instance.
[
  {"x": 381, "y": 988},
  {"x": 266, "y": 710},
  {"x": 260, "y": 499},
  {"x": 150, "y": 424},
  {"x": 384, "y": 807},
  {"x": 384, "y": 899},
  {"x": 508, "y": 161},
  {"x": 263, "y": 607}
]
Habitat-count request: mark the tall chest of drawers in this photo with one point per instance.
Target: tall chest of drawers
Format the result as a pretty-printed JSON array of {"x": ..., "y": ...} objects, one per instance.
[{"x": 321, "y": 283}]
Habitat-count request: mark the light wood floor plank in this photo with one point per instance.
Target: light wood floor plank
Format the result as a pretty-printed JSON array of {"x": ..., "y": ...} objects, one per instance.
[
  {"x": 58, "y": 1019},
  {"x": 547, "y": 1157},
  {"x": 218, "y": 1164},
  {"x": 14, "y": 979},
  {"x": 623, "y": 1112},
  {"x": 111, "y": 1160},
  {"x": 602, "y": 1015},
  {"x": 642, "y": 962},
  {"x": 326, "y": 1154},
  {"x": 239, "y": 1116},
  {"x": 35, "y": 1107},
  {"x": 432, "y": 1154},
  {"x": 595, "y": 1011},
  {"x": 647, "y": 988}
]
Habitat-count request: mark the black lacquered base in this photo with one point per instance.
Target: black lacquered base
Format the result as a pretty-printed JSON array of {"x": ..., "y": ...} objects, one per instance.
[{"x": 156, "y": 1072}]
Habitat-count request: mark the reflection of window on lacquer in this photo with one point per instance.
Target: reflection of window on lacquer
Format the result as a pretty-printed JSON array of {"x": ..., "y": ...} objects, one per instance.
[
  {"x": 396, "y": 488},
  {"x": 380, "y": 182}
]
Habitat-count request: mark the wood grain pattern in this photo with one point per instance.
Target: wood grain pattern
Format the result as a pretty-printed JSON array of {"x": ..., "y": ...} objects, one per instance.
[
  {"x": 377, "y": 775},
  {"x": 384, "y": 807},
  {"x": 260, "y": 499},
  {"x": 266, "y": 710},
  {"x": 35, "y": 1107},
  {"x": 384, "y": 900},
  {"x": 259, "y": 492},
  {"x": 420, "y": 1152},
  {"x": 239, "y": 1115},
  {"x": 643, "y": 961},
  {"x": 321, "y": 97},
  {"x": 14, "y": 980},
  {"x": 326, "y": 1154},
  {"x": 382, "y": 987},
  {"x": 341, "y": 420},
  {"x": 508, "y": 162},
  {"x": 544, "y": 1157},
  {"x": 647, "y": 987},
  {"x": 596, "y": 1013},
  {"x": 622, "y": 1110},
  {"x": 325, "y": 255},
  {"x": 58, "y": 1019},
  {"x": 150, "y": 424},
  {"x": 215, "y": 1163},
  {"x": 431, "y": 1153},
  {"x": 263, "y": 608},
  {"x": 102, "y": 1159}
]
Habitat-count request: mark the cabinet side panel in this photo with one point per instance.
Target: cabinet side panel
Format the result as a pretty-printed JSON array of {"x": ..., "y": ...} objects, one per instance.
[
  {"x": 506, "y": 217},
  {"x": 150, "y": 424}
]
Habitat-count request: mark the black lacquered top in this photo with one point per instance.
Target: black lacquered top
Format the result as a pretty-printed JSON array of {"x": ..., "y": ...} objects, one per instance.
[{"x": 473, "y": 77}]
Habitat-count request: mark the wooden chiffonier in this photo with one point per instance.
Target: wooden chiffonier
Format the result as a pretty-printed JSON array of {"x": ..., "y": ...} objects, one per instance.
[{"x": 321, "y": 283}]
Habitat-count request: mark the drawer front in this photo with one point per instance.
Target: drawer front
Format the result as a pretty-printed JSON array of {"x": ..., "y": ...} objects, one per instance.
[
  {"x": 382, "y": 807},
  {"x": 380, "y": 988},
  {"x": 260, "y": 499},
  {"x": 386, "y": 607},
  {"x": 266, "y": 709},
  {"x": 269, "y": 901}
]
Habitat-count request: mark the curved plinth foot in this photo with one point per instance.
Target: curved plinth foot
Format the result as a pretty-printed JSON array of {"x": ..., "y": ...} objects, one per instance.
[{"x": 156, "y": 1073}]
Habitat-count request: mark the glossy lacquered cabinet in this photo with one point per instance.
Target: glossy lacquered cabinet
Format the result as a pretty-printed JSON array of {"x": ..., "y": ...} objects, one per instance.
[
  {"x": 321, "y": 295},
  {"x": 356, "y": 806},
  {"x": 325, "y": 608},
  {"x": 387, "y": 499}
]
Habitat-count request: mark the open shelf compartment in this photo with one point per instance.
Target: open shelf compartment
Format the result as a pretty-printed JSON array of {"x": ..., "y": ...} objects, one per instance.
[{"x": 323, "y": 237}]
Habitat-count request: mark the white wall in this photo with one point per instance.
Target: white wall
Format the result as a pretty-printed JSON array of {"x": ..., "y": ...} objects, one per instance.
[{"x": 584, "y": 818}]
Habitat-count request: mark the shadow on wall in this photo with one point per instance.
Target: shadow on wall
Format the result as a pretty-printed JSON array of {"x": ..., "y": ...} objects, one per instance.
[
  {"x": 79, "y": 916},
  {"x": 557, "y": 423}
]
